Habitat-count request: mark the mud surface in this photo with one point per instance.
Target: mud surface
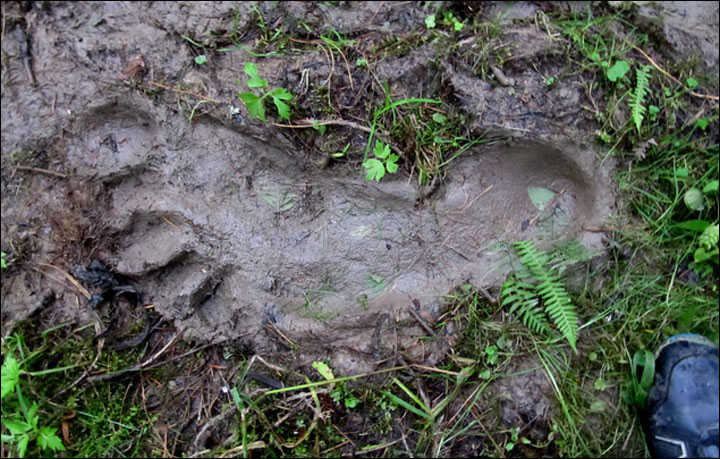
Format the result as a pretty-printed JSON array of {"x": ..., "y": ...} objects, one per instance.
[{"x": 227, "y": 224}]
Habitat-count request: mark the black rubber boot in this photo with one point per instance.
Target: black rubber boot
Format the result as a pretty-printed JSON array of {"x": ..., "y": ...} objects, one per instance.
[{"x": 681, "y": 415}]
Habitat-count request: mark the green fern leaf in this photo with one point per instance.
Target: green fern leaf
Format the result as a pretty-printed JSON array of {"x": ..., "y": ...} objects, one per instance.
[
  {"x": 523, "y": 300},
  {"x": 638, "y": 100},
  {"x": 542, "y": 283}
]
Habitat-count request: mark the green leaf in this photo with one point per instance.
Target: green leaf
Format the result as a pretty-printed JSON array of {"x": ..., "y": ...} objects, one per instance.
[
  {"x": 31, "y": 416},
  {"x": 201, "y": 59},
  {"x": 617, "y": 71},
  {"x": 711, "y": 187},
  {"x": 693, "y": 225},
  {"x": 251, "y": 70},
  {"x": 10, "y": 375},
  {"x": 324, "y": 370},
  {"x": 540, "y": 196},
  {"x": 682, "y": 172},
  {"x": 430, "y": 21},
  {"x": 692, "y": 83},
  {"x": 375, "y": 169},
  {"x": 702, "y": 123},
  {"x": 361, "y": 62},
  {"x": 439, "y": 118},
  {"x": 281, "y": 93},
  {"x": 255, "y": 81},
  {"x": 16, "y": 427},
  {"x": 254, "y": 105},
  {"x": 709, "y": 237},
  {"x": 391, "y": 163},
  {"x": 694, "y": 199},
  {"x": 381, "y": 150},
  {"x": 701, "y": 255},
  {"x": 601, "y": 384},
  {"x": 598, "y": 406},
  {"x": 351, "y": 401},
  {"x": 282, "y": 108},
  {"x": 22, "y": 445},
  {"x": 47, "y": 438}
]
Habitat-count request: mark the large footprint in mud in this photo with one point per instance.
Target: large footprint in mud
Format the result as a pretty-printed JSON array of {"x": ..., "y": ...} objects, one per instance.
[{"x": 234, "y": 238}]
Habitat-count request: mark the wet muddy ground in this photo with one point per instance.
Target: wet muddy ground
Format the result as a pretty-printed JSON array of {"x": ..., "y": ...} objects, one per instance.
[{"x": 118, "y": 147}]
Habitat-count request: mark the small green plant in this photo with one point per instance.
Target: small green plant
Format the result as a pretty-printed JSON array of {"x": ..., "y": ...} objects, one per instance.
[
  {"x": 201, "y": 59},
  {"x": 642, "y": 374},
  {"x": 3, "y": 262},
  {"x": 430, "y": 21},
  {"x": 536, "y": 291},
  {"x": 21, "y": 419},
  {"x": 278, "y": 199},
  {"x": 383, "y": 161},
  {"x": 637, "y": 104},
  {"x": 617, "y": 71},
  {"x": 255, "y": 103}
]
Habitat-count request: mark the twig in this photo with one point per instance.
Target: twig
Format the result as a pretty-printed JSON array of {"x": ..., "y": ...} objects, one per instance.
[
  {"x": 77, "y": 285},
  {"x": 487, "y": 295},
  {"x": 650, "y": 59},
  {"x": 313, "y": 123},
  {"x": 141, "y": 366},
  {"x": 41, "y": 171},
  {"x": 377, "y": 448},
  {"x": 160, "y": 85},
  {"x": 420, "y": 321}
]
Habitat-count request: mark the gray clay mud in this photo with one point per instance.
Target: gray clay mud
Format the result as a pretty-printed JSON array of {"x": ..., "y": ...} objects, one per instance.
[{"x": 228, "y": 226}]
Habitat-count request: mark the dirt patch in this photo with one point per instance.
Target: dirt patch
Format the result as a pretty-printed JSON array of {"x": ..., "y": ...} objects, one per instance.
[{"x": 239, "y": 231}]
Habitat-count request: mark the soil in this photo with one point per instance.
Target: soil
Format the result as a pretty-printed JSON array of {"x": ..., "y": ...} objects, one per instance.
[{"x": 231, "y": 227}]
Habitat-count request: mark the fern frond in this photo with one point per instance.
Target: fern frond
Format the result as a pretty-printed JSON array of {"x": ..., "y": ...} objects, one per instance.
[
  {"x": 523, "y": 297},
  {"x": 559, "y": 307},
  {"x": 523, "y": 300},
  {"x": 531, "y": 257},
  {"x": 637, "y": 103}
]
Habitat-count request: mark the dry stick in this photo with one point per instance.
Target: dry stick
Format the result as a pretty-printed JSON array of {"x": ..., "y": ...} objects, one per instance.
[
  {"x": 140, "y": 366},
  {"x": 77, "y": 285},
  {"x": 650, "y": 59},
  {"x": 41, "y": 171},
  {"x": 160, "y": 85},
  {"x": 421, "y": 321}
]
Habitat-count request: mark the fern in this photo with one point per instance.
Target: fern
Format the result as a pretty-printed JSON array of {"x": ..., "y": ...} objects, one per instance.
[
  {"x": 543, "y": 284},
  {"x": 523, "y": 300},
  {"x": 638, "y": 99}
]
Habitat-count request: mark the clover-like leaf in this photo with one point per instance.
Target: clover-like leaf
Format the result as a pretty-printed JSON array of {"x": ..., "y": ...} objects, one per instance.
[
  {"x": 375, "y": 169},
  {"x": 430, "y": 21},
  {"x": 381, "y": 150},
  {"x": 391, "y": 163},
  {"x": 618, "y": 70},
  {"x": 254, "y": 104}
]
